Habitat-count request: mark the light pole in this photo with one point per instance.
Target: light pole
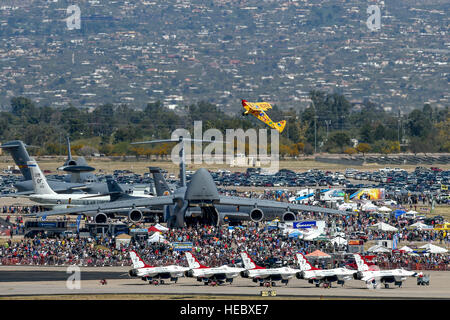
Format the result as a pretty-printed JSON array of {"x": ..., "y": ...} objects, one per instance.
[
  {"x": 315, "y": 126},
  {"x": 327, "y": 122}
]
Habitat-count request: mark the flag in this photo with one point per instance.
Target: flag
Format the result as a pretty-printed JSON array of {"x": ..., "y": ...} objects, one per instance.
[
  {"x": 395, "y": 242},
  {"x": 78, "y": 223}
]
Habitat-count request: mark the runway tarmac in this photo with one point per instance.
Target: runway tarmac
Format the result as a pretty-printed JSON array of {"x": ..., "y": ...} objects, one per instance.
[{"x": 31, "y": 281}]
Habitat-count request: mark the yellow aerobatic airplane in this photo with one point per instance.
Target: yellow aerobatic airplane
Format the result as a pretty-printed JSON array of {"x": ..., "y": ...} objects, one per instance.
[{"x": 257, "y": 109}]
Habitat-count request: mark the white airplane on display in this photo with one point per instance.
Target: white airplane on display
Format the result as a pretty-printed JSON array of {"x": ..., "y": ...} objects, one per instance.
[
  {"x": 151, "y": 273},
  {"x": 319, "y": 276},
  {"x": 206, "y": 274},
  {"x": 263, "y": 275},
  {"x": 376, "y": 277},
  {"x": 44, "y": 195}
]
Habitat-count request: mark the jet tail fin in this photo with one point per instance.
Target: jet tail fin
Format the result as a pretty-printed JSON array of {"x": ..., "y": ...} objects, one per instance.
[
  {"x": 40, "y": 183},
  {"x": 248, "y": 262},
  {"x": 161, "y": 186},
  {"x": 192, "y": 261},
  {"x": 20, "y": 155},
  {"x": 304, "y": 264},
  {"x": 114, "y": 189},
  {"x": 137, "y": 261},
  {"x": 361, "y": 262},
  {"x": 69, "y": 151}
]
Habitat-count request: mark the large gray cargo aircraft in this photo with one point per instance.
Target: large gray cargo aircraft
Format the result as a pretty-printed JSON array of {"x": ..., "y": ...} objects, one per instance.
[{"x": 200, "y": 200}]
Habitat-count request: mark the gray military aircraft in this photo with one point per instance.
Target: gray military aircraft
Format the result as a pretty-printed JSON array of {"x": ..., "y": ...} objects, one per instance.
[
  {"x": 200, "y": 201},
  {"x": 79, "y": 179},
  {"x": 80, "y": 171},
  {"x": 20, "y": 155}
]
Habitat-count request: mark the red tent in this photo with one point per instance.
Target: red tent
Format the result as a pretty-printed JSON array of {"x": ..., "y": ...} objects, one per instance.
[
  {"x": 153, "y": 229},
  {"x": 318, "y": 254}
]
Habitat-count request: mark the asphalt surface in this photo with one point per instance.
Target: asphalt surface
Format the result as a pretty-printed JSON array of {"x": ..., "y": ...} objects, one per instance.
[
  {"x": 37, "y": 275},
  {"x": 32, "y": 281}
]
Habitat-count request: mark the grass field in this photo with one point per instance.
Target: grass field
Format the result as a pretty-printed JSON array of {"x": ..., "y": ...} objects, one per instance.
[{"x": 106, "y": 165}]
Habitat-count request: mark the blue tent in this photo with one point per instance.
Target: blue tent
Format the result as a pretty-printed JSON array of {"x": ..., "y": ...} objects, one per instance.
[
  {"x": 398, "y": 213},
  {"x": 295, "y": 234}
]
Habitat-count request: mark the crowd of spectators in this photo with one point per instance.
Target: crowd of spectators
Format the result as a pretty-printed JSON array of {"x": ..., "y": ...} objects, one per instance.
[{"x": 215, "y": 246}]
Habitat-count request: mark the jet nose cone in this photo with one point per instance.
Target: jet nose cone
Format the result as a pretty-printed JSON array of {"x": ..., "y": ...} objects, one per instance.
[{"x": 202, "y": 187}]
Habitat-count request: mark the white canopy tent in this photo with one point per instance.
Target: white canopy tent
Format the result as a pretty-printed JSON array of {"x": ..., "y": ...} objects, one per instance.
[
  {"x": 311, "y": 235},
  {"x": 406, "y": 249},
  {"x": 123, "y": 239},
  {"x": 347, "y": 206},
  {"x": 156, "y": 237},
  {"x": 160, "y": 227},
  {"x": 369, "y": 206},
  {"x": 384, "y": 209},
  {"x": 383, "y": 227},
  {"x": 420, "y": 226},
  {"x": 431, "y": 248},
  {"x": 339, "y": 241}
]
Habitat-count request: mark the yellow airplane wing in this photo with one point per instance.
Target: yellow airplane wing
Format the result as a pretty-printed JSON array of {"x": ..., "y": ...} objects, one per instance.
[{"x": 259, "y": 105}]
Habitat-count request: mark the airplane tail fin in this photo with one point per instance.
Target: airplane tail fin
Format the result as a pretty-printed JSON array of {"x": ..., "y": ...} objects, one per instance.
[
  {"x": 248, "y": 262},
  {"x": 114, "y": 189},
  {"x": 69, "y": 151},
  {"x": 40, "y": 184},
  {"x": 280, "y": 125},
  {"x": 303, "y": 262},
  {"x": 361, "y": 263},
  {"x": 193, "y": 262},
  {"x": 20, "y": 155},
  {"x": 161, "y": 186},
  {"x": 137, "y": 261}
]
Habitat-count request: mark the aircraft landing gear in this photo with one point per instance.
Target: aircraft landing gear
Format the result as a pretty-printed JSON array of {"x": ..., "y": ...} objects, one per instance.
[
  {"x": 161, "y": 281},
  {"x": 386, "y": 285}
]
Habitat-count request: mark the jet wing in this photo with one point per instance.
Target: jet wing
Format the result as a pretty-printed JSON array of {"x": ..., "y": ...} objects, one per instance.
[
  {"x": 252, "y": 202},
  {"x": 17, "y": 194},
  {"x": 72, "y": 186},
  {"x": 144, "y": 202}
]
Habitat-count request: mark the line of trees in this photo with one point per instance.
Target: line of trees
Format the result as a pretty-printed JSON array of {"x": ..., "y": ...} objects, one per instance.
[{"x": 330, "y": 124}]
